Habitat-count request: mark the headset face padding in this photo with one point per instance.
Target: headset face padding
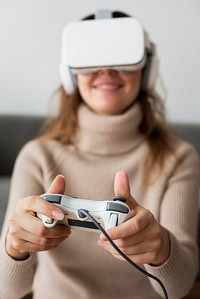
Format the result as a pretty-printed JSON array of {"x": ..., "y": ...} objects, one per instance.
[{"x": 69, "y": 82}]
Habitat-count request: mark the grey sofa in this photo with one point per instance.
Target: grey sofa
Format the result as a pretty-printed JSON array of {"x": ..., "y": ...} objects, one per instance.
[{"x": 16, "y": 130}]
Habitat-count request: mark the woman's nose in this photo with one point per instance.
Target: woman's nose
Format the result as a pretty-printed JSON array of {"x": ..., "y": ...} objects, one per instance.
[{"x": 107, "y": 71}]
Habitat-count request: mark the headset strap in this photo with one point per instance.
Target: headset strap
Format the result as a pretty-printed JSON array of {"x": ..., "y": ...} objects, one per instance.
[{"x": 103, "y": 14}]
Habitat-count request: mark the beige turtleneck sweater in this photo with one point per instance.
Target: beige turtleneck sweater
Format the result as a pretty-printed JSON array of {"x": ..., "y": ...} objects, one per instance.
[{"x": 79, "y": 268}]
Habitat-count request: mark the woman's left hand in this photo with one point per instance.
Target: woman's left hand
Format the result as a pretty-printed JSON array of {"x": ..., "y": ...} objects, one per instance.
[{"x": 141, "y": 238}]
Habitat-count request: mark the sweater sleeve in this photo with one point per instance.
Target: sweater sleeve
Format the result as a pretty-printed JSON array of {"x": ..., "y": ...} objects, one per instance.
[
  {"x": 179, "y": 214},
  {"x": 16, "y": 277}
]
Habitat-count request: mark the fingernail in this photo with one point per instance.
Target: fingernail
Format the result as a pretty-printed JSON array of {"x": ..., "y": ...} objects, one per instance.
[
  {"x": 57, "y": 215},
  {"x": 60, "y": 175}
]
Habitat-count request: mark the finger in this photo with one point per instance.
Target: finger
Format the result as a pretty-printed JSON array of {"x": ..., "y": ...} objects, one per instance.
[
  {"x": 131, "y": 249},
  {"x": 58, "y": 185},
  {"x": 139, "y": 259},
  {"x": 35, "y": 204},
  {"x": 34, "y": 225},
  {"x": 130, "y": 240},
  {"x": 134, "y": 226},
  {"x": 26, "y": 236},
  {"x": 141, "y": 253},
  {"x": 26, "y": 246},
  {"x": 122, "y": 188},
  {"x": 121, "y": 184}
]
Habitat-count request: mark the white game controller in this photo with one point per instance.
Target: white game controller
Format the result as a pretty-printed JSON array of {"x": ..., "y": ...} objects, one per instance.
[{"x": 108, "y": 213}]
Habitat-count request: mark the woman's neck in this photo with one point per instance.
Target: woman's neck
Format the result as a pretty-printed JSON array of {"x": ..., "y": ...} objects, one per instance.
[{"x": 108, "y": 134}]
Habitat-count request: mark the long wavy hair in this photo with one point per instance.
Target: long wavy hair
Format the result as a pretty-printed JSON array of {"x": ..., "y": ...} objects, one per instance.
[{"x": 153, "y": 126}]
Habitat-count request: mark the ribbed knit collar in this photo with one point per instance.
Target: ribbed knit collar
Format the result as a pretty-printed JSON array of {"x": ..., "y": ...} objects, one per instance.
[{"x": 108, "y": 135}]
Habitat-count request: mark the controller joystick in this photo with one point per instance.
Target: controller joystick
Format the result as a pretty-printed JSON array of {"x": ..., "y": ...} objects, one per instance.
[{"x": 119, "y": 198}]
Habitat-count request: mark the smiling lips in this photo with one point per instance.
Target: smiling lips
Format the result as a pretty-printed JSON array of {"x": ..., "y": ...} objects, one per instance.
[{"x": 107, "y": 86}]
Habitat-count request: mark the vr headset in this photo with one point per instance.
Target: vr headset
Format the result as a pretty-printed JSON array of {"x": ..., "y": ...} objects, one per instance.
[{"x": 106, "y": 42}]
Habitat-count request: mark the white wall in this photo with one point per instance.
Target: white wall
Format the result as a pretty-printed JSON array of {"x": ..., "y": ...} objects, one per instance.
[{"x": 30, "y": 34}]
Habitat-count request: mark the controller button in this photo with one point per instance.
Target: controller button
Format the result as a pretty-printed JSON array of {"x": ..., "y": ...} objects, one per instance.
[
  {"x": 112, "y": 206},
  {"x": 53, "y": 198},
  {"x": 119, "y": 198}
]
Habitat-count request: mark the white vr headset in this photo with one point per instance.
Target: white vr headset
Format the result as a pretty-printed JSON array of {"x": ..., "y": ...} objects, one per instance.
[{"x": 106, "y": 42}]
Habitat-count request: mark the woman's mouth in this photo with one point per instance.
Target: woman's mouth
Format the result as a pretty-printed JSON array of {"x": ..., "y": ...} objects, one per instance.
[{"x": 107, "y": 86}]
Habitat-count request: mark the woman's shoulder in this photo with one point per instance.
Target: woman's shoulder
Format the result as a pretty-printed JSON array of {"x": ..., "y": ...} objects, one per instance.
[
  {"x": 38, "y": 145},
  {"x": 185, "y": 149},
  {"x": 40, "y": 150},
  {"x": 184, "y": 156}
]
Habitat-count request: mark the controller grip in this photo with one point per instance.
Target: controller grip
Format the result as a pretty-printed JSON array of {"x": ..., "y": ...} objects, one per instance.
[
  {"x": 48, "y": 222},
  {"x": 113, "y": 220}
]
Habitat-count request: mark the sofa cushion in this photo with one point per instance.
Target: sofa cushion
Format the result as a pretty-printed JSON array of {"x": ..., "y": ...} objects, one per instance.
[
  {"x": 4, "y": 187},
  {"x": 16, "y": 130},
  {"x": 188, "y": 132}
]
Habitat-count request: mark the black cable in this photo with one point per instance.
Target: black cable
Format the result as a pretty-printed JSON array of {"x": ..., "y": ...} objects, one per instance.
[{"x": 86, "y": 213}]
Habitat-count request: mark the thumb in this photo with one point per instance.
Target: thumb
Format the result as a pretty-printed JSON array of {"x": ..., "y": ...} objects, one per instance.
[
  {"x": 122, "y": 188},
  {"x": 58, "y": 185}
]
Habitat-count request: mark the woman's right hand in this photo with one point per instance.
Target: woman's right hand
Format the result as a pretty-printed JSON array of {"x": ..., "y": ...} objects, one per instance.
[{"x": 27, "y": 233}]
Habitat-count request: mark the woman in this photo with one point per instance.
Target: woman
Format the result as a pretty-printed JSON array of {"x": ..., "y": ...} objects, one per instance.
[{"x": 109, "y": 138}]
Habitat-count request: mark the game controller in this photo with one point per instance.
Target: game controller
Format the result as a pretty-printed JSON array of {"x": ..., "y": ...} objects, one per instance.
[{"x": 108, "y": 213}]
